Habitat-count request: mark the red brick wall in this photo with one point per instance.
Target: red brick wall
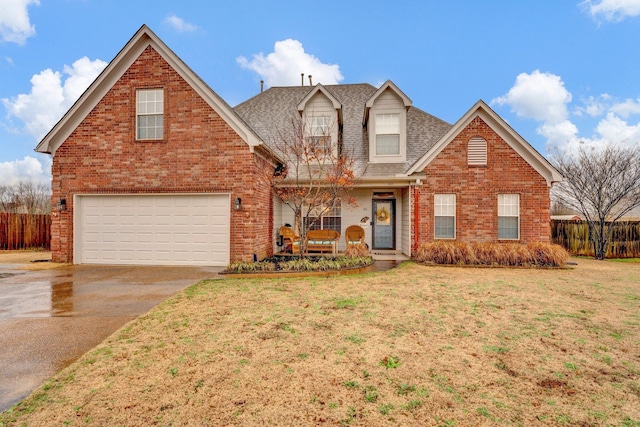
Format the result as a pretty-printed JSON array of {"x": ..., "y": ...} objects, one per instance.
[
  {"x": 477, "y": 189},
  {"x": 200, "y": 152}
]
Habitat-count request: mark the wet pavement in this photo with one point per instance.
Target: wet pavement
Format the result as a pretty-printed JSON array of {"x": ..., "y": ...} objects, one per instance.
[{"x": 50, "y": 318}]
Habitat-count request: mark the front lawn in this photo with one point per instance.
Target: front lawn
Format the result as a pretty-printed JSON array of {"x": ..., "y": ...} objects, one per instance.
[{"x": 416, "y": 345}]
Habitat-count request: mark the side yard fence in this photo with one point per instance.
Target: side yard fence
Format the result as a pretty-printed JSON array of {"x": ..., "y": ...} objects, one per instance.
[
  {"x": 24, "y": 231},
  {"x": 574, "y": 237}
]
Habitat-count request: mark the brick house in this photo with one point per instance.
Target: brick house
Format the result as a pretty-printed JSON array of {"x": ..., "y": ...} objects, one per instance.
[{"x": 151, "y": 166}]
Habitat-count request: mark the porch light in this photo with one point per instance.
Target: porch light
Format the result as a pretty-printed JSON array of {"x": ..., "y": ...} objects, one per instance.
[
  {"x": 62, "y": 205},
  {"x": 238, "y": 205}
]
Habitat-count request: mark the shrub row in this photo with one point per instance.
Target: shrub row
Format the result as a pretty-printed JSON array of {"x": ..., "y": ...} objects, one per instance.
[
  {"x": 506, "y": 254},
  {"x": 299, "y": 264}
]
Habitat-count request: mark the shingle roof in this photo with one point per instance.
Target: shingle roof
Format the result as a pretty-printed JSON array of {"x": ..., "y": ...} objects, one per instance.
[{"x": 273, "y": 109}]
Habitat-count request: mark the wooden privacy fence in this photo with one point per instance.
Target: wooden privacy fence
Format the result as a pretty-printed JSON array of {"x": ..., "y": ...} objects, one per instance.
[
  {"x": 574, "y": 237},
  {"x": 23, "y": 231}
]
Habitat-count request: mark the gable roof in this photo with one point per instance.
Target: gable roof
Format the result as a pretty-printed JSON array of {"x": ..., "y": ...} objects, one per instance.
[
  {"x": 321, "y": 89},
  {"x": 502, "y": 128},
  {"x": 386, "y": 85},
  {"x": 143, "y": 38},
  {"x": 270, "y": 112}
]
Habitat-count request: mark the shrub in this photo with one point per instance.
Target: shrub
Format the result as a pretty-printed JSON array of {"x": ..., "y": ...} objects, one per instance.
[
  {"x": 464, "y": 253},
  {"x": 356, "y": 251},
  {"x": 437, "y": 252},
  {"x": 491, "y": 253},
  {"x": 311, "y": 263},
  {"x": 546, "y": 254}
]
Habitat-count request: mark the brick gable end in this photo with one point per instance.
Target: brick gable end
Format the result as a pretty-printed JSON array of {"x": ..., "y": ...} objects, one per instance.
[
  {"x": 200, "y": 153},
  {"x": 477, "y": 189}
]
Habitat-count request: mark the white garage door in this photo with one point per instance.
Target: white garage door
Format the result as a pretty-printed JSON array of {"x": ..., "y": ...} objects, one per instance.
[{"x": 152, "y": 229}]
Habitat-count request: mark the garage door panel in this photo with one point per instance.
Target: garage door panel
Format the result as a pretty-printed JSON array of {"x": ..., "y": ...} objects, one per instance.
[{"x": 153, "y": 229}]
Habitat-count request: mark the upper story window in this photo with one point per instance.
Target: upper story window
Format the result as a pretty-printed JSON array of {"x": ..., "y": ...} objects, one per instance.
[
  {"x": 150, "y": 114},
  {"x": 387, "y": 134},
  {"x": 385, "y": 117},
  {"x": 319, "y": 130},
  {"x": 319, "y": 126},
  {"x": 477, "y": 152}
]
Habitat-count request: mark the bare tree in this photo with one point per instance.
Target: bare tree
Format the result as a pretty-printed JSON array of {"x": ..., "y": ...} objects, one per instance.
[
  {"x": 25, "y": 197},
  {"x": 317, "y": 175},
  {"x": 603, "y": 184}
]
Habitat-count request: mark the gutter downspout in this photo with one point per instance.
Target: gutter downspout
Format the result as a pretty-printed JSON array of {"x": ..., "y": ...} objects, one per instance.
[{"x": 416, "y": 218}]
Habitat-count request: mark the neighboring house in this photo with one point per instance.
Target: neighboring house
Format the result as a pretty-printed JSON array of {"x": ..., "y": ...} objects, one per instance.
[{"x": 155, "y": 168}]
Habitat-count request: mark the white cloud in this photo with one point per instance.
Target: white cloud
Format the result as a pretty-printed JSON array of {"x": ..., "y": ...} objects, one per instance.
[
  {"x": 539, "y": 96},
  {"x": 613, "y": 10},
  {"x": 594, "y": 106},
  {"x": 15, "y": 26},
  {"x": 288, "y": 60},
  {"x": 544, "y": 98},
  {"x": 626, "y": 108},
  {"x": 558, "y": 134},
  {"x": 180, "y": 25},
  {"x": 27, "y": 169},
  {"x": 51, "y": 97},
  {"x": 613, "y": 128}
]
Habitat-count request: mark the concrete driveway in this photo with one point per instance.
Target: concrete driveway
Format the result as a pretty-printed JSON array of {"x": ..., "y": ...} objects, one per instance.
[{"x": 49, "y": 318}]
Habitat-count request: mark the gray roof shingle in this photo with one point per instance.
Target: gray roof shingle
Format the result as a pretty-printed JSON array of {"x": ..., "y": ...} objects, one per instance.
[{"x": 273, "y": 109}]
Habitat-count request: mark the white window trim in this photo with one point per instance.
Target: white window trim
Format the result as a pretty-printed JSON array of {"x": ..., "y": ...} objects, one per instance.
[
  {"x": 154, "y": 113},
  {"x": 388, "y": 158},
  {"x": 455, "y": 228},
  {"x": 509, "y": 216},
  {"x": 327, "y": 213},
  {"x": 330, "y": 120}
]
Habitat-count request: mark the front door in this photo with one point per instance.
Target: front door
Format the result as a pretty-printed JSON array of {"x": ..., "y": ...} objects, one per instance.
[{"x": 384, "y": 224}]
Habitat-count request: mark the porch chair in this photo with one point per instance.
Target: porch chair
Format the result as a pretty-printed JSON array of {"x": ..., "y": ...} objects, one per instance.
[
  {"x": 291, "y": 242},
  {"x": 354, "y": 235}
]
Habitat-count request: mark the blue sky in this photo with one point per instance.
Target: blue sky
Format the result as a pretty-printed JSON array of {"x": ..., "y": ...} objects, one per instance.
[{"x": 560, "y": 72}]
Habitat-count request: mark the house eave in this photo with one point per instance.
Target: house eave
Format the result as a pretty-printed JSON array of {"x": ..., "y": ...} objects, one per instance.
[
  {"x": 506, "y": 132},
  {"x": 143, "y": 38},
  {"x": 367, "y": 182}
]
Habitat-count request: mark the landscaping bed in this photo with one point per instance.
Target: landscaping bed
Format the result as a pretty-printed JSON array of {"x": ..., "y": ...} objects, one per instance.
[{"x": 310, "y": 263}]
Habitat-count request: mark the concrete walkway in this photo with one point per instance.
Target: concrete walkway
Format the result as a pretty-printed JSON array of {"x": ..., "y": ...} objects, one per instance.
[{"x": 49, "y": 318}]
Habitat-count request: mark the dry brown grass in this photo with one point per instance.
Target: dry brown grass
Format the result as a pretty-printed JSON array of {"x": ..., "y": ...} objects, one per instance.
[
  {"x": 490, "y": 253},
  {"x": 417, "y": 345},
  {"x": 26, "y": 258}
]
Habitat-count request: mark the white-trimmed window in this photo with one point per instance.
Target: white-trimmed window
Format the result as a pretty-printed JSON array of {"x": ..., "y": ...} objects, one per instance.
[
  {"x": 319, "y": 126},
  {"x": 319, "y": 134},
  {"x": 477, "y": 151},
  {"x": 387, "y": 134},
  {"x": 444, "y": 209},
  {"x": 150, "y": 114},
  {"x": 508, "y": 216},
  {"x": 325, "y": 218}
]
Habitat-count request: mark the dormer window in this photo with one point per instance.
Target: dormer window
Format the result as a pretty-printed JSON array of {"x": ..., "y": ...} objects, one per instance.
[
  {"x": 322, "y": 117},
  {"x": 320, "y": 127},
  {"x": 319, "y": 135},
  {"x": 385, "y": 117},
  {"x": 387, "y": 134}
]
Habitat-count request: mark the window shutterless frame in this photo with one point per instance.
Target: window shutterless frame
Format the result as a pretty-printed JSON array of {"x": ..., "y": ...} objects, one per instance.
[
  {"x": 508, "y": 216},
  {"x": 149, "y": 114},
  {"x": 444, "y": 213}
]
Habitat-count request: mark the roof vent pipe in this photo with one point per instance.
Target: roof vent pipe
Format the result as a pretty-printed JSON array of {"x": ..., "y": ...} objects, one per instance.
[
  {"x": 301, "y": 79},
  {"x": 261, "y": 86},
  {"x": 310, "y": 81}
]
